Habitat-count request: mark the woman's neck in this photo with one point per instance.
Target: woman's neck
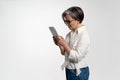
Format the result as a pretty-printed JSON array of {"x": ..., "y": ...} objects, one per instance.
[{"x": 79, "y": 26}]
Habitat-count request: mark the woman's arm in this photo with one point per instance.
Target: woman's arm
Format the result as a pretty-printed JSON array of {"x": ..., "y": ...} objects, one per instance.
[
  {"x": 62, "y": 49},
  {"x": 63, "y": 45},
  {"x": 56, "y": 39}
]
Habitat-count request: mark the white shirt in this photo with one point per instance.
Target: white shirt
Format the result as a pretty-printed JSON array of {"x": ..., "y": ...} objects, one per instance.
[{"x": 79, "y": 43}]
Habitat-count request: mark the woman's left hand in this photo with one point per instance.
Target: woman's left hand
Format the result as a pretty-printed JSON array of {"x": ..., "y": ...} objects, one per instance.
[{"x": 61, "y": 41}]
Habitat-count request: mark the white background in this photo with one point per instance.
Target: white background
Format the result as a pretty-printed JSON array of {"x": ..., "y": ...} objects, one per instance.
[{"x": 27, "y": 51}]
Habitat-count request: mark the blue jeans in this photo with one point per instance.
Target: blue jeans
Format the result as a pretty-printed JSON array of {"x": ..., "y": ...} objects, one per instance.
[{"x": 71, "y": 74}]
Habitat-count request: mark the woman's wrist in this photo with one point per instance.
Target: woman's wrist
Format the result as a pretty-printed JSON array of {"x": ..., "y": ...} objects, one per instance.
[
  {"x": 62, "y": 49},
  {"x": 67, "y": 48}
]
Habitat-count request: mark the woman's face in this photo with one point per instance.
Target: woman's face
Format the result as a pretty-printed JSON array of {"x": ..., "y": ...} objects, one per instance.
[{"x": 71, "y": 23}]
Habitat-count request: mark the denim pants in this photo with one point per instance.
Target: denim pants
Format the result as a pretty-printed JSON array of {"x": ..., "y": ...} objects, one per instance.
[{"x": 71, "y": 74}]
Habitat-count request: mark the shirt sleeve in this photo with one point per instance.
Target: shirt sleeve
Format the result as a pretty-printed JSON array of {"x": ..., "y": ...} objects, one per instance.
[{"x": 81, "y": 49}]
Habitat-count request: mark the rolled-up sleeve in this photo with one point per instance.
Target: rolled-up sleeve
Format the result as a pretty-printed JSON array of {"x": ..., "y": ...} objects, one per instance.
[{"x": 80, "y": 49}]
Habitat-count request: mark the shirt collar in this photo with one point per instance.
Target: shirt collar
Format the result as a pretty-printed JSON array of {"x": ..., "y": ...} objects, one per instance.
[{"x": 79, "y": 30}]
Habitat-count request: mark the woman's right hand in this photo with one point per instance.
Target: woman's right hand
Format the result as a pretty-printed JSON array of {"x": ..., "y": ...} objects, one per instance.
[{"x": 55, "y": 39}]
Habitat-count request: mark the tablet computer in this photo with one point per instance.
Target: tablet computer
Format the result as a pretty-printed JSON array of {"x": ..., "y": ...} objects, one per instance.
[{"x": 53, "y": 31}]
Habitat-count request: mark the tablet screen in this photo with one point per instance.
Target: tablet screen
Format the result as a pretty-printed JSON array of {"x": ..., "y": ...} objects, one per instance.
[{"x": 53, "y": 31}]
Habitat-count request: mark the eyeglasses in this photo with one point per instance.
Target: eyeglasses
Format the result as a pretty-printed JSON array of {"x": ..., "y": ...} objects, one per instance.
[{"x": 68, "y": 21}]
